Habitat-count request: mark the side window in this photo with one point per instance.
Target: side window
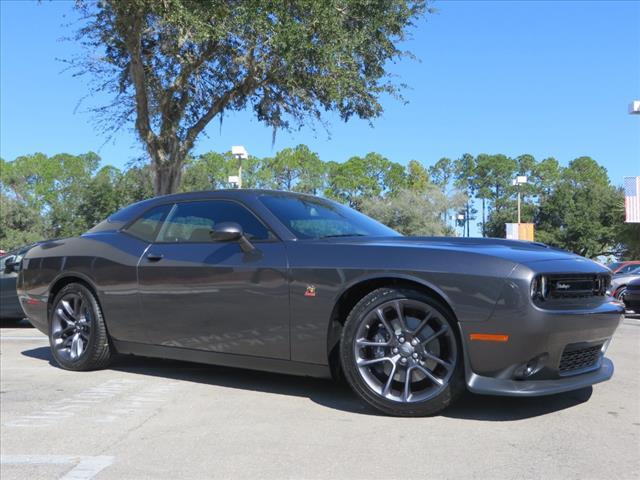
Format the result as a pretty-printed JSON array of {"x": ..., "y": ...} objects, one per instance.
[
  {"x": 192, "y": 221},
  {"x": 147, "y": 226}
]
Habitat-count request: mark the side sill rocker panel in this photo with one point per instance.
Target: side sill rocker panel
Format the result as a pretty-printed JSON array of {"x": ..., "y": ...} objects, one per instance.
[{"x": 224, "y": 359}]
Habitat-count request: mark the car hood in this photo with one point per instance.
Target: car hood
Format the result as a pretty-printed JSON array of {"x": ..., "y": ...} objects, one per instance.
[{"x": 514, "y": 250}]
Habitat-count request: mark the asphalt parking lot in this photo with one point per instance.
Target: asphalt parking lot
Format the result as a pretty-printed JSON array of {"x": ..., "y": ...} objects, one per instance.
[{"x": 146, "y": 418}]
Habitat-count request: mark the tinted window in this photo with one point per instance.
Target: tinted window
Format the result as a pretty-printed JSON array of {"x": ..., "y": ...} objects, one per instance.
[
  {"x": 317, "y": 218},
  {"x": 192, "y": 221},
  {"x": 147, "y": 226},
  {"x": 629, "y": 268},
  {"x": 131, "y": 211}
]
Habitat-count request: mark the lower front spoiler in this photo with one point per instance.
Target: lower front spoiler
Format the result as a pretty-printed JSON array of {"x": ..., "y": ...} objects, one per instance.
[{"x": 534, "y": 388}]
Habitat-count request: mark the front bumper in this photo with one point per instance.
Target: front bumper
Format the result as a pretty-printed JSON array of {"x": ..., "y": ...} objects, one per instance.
[
  {"x": 534, "y": 359},
  {"x": 534, "y": 388}
]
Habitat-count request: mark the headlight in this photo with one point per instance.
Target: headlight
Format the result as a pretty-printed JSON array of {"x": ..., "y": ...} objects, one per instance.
[{"x": 539, "y": 288}]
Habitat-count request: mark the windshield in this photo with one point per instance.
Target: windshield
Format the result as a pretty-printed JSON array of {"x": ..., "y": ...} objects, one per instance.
[
  {"x": 633, "y": 269},
  {"x": 318, "y": 218}
]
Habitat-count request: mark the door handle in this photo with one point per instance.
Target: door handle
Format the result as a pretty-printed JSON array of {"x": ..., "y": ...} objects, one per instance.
[{"x": 154, "y": 257}]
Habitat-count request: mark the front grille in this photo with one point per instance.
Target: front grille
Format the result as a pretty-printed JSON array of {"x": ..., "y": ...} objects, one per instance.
[
  {"x": 576, "y": 286},
  {"x": 574, "y": 359}
]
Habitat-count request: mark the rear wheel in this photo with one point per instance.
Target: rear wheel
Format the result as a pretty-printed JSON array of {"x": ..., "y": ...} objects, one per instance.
[
  {"x": 77, "y": 333},
  {"x": 400, "y": 353}
]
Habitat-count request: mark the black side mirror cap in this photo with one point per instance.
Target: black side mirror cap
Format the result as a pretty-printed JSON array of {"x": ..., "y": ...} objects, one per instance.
[
  {"x": 231, "y": 232},
  {"x": 10, "y": 264},
  {"x": 226, "y": 232}
]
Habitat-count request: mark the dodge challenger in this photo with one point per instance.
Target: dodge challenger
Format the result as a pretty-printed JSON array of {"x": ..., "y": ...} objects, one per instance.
[{"x": 301, "y": 285}]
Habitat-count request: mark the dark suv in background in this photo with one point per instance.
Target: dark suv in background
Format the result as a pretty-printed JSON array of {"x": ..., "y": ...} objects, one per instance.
[{"x": 10, "y": 308}]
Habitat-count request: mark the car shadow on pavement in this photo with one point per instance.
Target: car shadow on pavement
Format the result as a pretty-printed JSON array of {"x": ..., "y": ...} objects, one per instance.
[
  {"x": 331, "y": 394},
  {"x": 14, "y": 323}
]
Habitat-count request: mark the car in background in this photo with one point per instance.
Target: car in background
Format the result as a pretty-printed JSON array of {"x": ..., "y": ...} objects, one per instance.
[
  {"x": 620, "y": 282},
  {"x": 10, "y": 308},
  {"x": 632, "y": 296},
  {"x": 624, "y": 267}
]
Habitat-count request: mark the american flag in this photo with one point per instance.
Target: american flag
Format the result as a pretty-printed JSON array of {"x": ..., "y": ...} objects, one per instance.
[{"x": 631, "y": 199}]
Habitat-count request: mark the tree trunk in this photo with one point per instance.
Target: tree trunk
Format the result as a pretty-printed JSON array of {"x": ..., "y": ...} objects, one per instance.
[
  {"x": 166, "y": 176},
  {"x": 467, "y": 219},
  {"x": 483, "y": 218}
]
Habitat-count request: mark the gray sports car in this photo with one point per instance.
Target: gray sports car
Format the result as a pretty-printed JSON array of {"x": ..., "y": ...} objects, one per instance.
[{"x": 302, "y": 285}]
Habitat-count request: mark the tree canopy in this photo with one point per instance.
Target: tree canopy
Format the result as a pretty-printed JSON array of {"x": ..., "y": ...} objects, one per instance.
[
  {"x": 573, "y": 207},
  {"x": 172, "y": 66},
  {"x": 581, "y": 213}
]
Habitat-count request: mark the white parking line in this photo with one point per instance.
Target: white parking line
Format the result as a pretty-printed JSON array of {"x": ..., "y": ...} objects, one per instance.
[
  {"x": 87, "y": 466},
  {"x": 67, "y": 407},
  {"x": 42, "y": 337}
]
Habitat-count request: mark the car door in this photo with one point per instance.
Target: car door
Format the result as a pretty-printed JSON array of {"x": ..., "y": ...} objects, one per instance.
[{"x": 199, "y": 294}]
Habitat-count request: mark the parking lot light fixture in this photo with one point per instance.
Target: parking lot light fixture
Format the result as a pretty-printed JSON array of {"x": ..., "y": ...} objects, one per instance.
[
  {"x": 240, "y": 153},
  {"x": 519, "y": 180}
]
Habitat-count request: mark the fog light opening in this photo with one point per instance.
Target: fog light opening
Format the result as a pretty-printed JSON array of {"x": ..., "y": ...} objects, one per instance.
[{"x": 530, "y": 368}]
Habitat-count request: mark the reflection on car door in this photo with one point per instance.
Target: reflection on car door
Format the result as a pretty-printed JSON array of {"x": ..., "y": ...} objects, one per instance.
[{"x": 205, "y": 295}]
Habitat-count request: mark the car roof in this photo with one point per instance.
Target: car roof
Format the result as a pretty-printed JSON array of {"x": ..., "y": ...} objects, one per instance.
[
  {"x": 237, "y": 193},
  {"x": 241, "y": 194}
]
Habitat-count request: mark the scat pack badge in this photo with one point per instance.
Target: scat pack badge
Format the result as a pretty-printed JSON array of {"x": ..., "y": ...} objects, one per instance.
[{"x": 311, "y": 291}]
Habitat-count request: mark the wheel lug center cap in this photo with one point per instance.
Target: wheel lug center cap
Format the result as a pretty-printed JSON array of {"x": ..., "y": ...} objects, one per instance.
[{"x": 406, "y": 349}]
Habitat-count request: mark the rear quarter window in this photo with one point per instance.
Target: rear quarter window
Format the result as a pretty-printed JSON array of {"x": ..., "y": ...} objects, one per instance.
[{"x": 147, "y": 226}]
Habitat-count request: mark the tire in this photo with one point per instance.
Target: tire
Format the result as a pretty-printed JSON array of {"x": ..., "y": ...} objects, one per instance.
[
  {"x": 376, "y": 360},
  {"x": 620, "y": 293},
  {"x": 77, "y": 315}
]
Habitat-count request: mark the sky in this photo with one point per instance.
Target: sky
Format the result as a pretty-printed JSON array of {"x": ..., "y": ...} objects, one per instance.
[{"x": 543, "y": 78}]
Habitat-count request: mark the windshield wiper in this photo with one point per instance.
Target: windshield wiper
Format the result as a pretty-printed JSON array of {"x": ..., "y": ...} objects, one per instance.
[{"x": 344, "y": 235}]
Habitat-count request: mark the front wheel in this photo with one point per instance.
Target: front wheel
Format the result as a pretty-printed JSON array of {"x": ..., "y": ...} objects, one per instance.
[
  {"x": 400, "y": 353},
  {"x": 77, "y": 332},
  {"x": 621, "y": 293}
]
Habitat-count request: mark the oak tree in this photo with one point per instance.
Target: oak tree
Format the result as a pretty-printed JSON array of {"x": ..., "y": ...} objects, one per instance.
[{"x": 173, "y": 66}]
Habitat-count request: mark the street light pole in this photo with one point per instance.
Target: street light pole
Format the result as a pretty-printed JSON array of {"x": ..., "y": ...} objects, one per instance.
[
  {"x": 519, "y": 180},
  {"x": 240, "y": 153}
]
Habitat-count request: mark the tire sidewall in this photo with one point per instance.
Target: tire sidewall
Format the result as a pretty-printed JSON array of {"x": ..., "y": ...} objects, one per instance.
[
  {"x": 85, "y": 359},
  {"x": 431, "y": 406},
  {"x": 620, "y": 294}
]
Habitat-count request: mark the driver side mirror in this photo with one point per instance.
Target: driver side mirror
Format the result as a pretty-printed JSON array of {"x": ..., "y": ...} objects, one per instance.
[
  {"x": 11, "y": 264},
  {"x": 231, "y": 232}
]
